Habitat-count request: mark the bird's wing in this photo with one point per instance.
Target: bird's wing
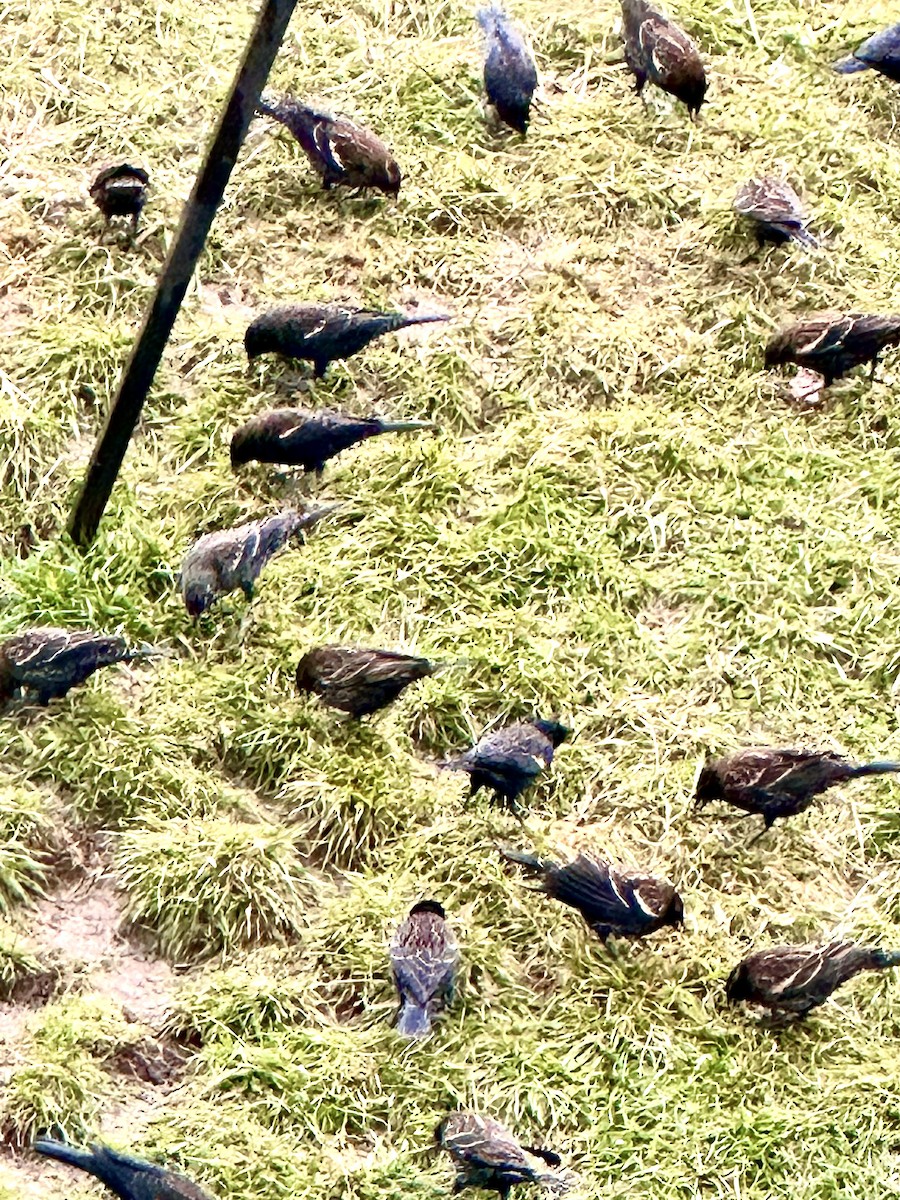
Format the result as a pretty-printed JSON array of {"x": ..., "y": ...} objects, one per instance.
[
  {"x": 790, "y": 971},
  {"x": 39, "y": 649},
  {"x": 665, "y": 45},
  {"x": 423, "y": 955},
  {"x": 486, "y": 1143}
]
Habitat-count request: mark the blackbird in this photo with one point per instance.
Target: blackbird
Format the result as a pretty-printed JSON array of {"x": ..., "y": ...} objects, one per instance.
[
  {"x": 295, "y": 438},
  {"x": 511, "y": 759},
  {"x": 356, "y": 681},
  {"x": 48, "y": 662},
  {"x": 775, "y": 209},
  {"x": 120, "y": 190},
  {"x": 880, "y": 52},
  {"x": 424, "y": 957},
  {"x": 340, "y": 151},
  {"x": 510, "y": 74},
  {"x": 778, "y": 783},
  {"x": 128, "y": 1177},
  {"x": 486, "y": 1155},
  {"x": 656, "y": 49},
  {"x": 795, "y": 979},
  {"x": 228, "y": 559},
  {"x": 611, "y": 900},
  {"x": 320, "y": 333},
  {"x": 833, "y": 343}
]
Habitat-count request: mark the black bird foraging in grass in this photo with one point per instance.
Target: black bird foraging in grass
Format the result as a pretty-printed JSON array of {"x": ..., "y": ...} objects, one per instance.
[
  {"x": 656, "y": 49},
  {"x": 510, "y": 74},
  {"x": 128, "y": 1177},
  {"x": 833, "y": 343},
  {"x": 359, "y": 681},
  {"x": 294, "y": 438},
  {"x": 424, "y": 957},
  {"x": 510, "y": 759},
  {"x": 611, "y": 899},
  {"x": 486, "y": 1155},
  {"x": 47, "y": 662},
  {"x": 229, "y": 559},
  {"x": 340, "y": 151},
  {"x": 792, "y": 980},
  {"x": 778, "y": 783},
  {"x": 120, "y": 190},
  {"x": 775, "y": 209},
  {"x": 880, "y": 52},
  {"x": 321, "y": 333}
]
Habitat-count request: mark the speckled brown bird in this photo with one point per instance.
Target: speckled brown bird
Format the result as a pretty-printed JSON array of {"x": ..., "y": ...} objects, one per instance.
[
  {"x": 509, "y": 760},
  {"x": 510, "y": 74},
  {"x": 341, "y": 152},
  {"x": 834, "y": 343},
  {"x": 775, "y": 210},
  {"x": 880, "y": 52},
  {"x": 611, "y": 899},
  {"x": 656, "y": 49},
  {"x": 120, "y": 190},
  {"x": 321, "y": 333},
  {"x": 44, "y": 663},
  {"x": 778, "y": 783},
  {"x": 293, "y": 437},
  {"x": 792, "y": 980},
  {"x": 486, "y": 1155},
  {"x": 359, "y": 681},
  {"x": 424, "y": 958},
  {"x": 229, "y": 559},
  {"x": 128, "y": 1177}
]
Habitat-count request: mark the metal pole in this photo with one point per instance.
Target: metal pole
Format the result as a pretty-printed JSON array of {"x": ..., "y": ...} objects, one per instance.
[{"x": 196, "y": 219}]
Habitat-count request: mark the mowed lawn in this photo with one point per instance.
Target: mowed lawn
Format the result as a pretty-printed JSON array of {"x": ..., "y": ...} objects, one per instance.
[{"x": 622, "y": 521}]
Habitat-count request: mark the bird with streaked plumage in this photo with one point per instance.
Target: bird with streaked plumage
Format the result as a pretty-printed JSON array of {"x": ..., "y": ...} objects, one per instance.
[
  {"x": 880, "y": 52},
  {"x": 612, "y": 900},
  {"x": 229, "y": 559},
  {"x": 778, "y": 783},
  {"x": 509, "y": 760},
  {"x": 775, "y": 210},
  {"x": 322, "y": 333},
  {"x": 656, "y": 49},
  {"x": 293, "y": 437},
  {"x": 358, "y": 681},
  {"x": 341, "y": 152},
  {"x": 120, "y": 190},
  {"x": 793, "y": 980},
  {"x": 510, "y": 73},
  {"x": 486, "y": 1155},
  {"x": 424, "y": 958},
  {"x": 45, "y": 662},
  {"x": 128, "y": 1177},
  {"x": 834, "y": 343}
]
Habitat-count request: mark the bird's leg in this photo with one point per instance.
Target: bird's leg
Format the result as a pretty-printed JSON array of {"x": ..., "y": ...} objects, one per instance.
[
  {"x": 762, "y": 833},
  {"x": 247, "y": 588}
]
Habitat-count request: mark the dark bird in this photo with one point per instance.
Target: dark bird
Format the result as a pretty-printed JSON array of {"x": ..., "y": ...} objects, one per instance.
[
  {"x": 775, "y": 209},
  {"x": 656, "y": 49},
  {"x": 424, "y": 957},
  {"x": 611, "y": 900},
  {"x": 510, "y": 759},
  {"x": 357, "y": 681},
  {"x": 320, "y": 333},
  {"x": 833, "y": 343},
  {"x": 295, "y": 438},
  {"x": 510, "y": 74},
  {"x": 128, "y": 1177},
  {"x": 120, "y": 190},
  {"x": 486, "y": 1155},
  {"x": 341, "y": 152},
  {"x": 880, "y": 52},
  {"x": 778, "y": 783},
  {"x": 795, "y": 979},
  {"x": 229, "y": 559},
  {"x": 48, "y": 662}
]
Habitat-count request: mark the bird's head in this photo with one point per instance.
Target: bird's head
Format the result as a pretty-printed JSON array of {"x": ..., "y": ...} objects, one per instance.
[
  {"x": 198, "y": 594},
  {"x": 241, "y": 448},
  {"x": 439, "y": 1131},
  {"x": 708, "y": 786},
  {"x": 259, "y": 338},
  {"x": 675, "y": 912},
  {"x": 428, "y": 906},
  {"x": 691, "y": 87},
  {"x": 778, "y": 350},
  {"x": 554, "y": 730},
  {"x": 392, "y": 179},
  {"x": 737, "y": 986},
  {"x": 306, "y": 676}
]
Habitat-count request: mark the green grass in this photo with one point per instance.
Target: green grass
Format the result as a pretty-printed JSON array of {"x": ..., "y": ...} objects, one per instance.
[{"x": 621, "y": 521}]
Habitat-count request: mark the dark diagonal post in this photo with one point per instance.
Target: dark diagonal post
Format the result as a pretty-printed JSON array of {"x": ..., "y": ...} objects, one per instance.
[{"x": 196, "y": 219}]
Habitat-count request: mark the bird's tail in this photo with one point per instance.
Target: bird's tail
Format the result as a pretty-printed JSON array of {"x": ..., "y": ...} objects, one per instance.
[
  {"x": 285, "y": 108},
  {"x": 550, "y": 1157},
  {"x": 875, "y": 768},
  {"x": 85, "y": 1159},
  {"x": 306, "y": 520},
  {"x": 133, "y": 653},
  {"x": 414, "y": 1020},
  {"x": 407, "y": 319},
  {"x": 803, "y": 236},
  {"x": 404, "y": 426},
  {"x": 882, "y": 959},
  {"x": 526, "y": 860},
  {"x": 849, "y": 66}
]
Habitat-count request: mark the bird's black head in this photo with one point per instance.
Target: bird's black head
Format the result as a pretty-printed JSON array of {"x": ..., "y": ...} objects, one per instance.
[
  {"x": 198, "y": 596},
  {"x": 259, "y": 338},
  {"x": 439, "y": 1131},
  {"x": 737, "y": 986},
  {"x": 241, "y": 447},
  {"x": 556, "y": 732},
  {"x": 391, "y": 179},
  {"x": 693, "y": 94},
  {"x": 428, "y": 906},
  {"x": 779, "y": 349},
  {"x": 675, "y": 912},
  {"x": 709, "y": 786},
  {"x": 515, "y": 114}
]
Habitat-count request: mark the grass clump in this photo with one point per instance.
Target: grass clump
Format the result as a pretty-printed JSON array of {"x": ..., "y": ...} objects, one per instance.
[
  {"x": 243, "y": 1002},
  {"x": 24, "y": 973},
  {"x": 64, "y": 1095},
  {"x": 28, "y": 839},
  {"x": 212, "y": 886}
]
